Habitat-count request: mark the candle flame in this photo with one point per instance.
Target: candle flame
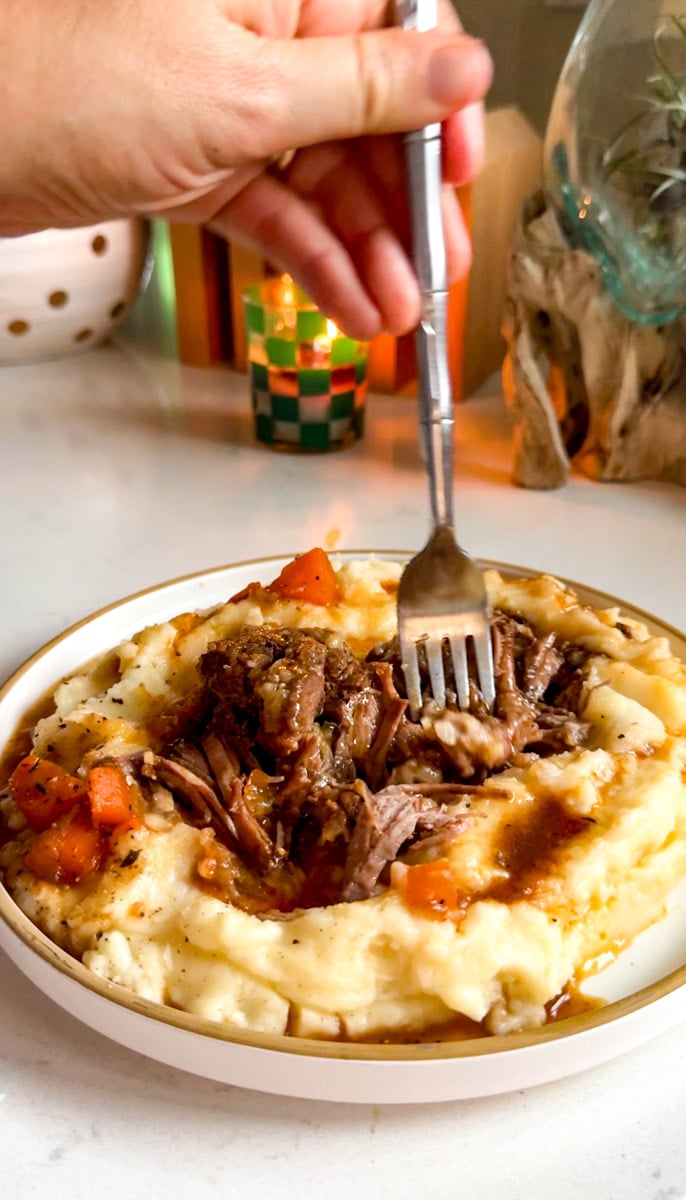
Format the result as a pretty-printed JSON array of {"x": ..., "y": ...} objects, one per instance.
[
  {"x": 287, "y": 290},
  {"x": 323, "y": 341}
]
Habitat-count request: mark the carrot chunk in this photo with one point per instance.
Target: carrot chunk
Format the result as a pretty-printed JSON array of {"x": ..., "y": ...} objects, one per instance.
[
  {"x": 66, "y": 852},
  {"x": 309, "y": 577},
  {"x": 110, "y": 797},
  {"x": 43, "y": 792},
  {"x": 430, "y": 889}
]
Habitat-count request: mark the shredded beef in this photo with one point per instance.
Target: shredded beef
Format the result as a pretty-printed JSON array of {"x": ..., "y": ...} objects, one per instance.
[
  {"x": 384, "y": 822},
  {"x": 304, "y": 763},
  {"x": 267, "y": 685},
  {"x": 252, "y": 837},
  {"x": 192, "y": 792}
]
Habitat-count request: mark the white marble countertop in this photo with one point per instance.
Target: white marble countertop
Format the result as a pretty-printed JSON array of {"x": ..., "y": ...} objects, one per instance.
[{"x": 120, "y": 470}]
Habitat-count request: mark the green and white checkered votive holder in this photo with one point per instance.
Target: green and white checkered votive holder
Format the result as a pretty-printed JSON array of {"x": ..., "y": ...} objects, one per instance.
[{"x": 308, "y": 380}]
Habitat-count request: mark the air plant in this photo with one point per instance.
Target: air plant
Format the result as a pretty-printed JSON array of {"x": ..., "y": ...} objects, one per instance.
[{"x": 657, "y": 163}]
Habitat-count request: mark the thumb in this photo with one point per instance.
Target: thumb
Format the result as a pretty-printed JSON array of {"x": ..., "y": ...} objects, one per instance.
[{"x": 386, "y": 81}]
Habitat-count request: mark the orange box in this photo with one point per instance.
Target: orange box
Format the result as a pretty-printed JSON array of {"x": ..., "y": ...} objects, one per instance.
[{"x": 203, "y": 325}]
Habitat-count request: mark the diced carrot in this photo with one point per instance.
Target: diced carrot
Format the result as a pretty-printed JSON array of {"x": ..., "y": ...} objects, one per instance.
[
  {"x": 429, "y": 887},
  {"x": 309, "y": 577},
  {"x": 111, "y": 798},
  {"x": 68, "y": 851},
  {"x": 245, "y": 593},
  {"x": 44, "y": 791}
]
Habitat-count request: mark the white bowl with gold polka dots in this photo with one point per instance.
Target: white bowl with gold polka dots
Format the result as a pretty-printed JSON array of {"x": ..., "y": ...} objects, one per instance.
[{"x": 64, "y": 290}]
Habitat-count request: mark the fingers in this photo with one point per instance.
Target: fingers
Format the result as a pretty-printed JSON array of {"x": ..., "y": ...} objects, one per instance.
[
  {"x": 383, "y": 161},
  {"x": 463, "y": 145},
  {"x": 327, "y": 226},
  {"x": 338, "y": 220},
  {"x": 323, "y": 89},
  {"x": 270, "y": 218},
  {"x": 348, "y": 195}
]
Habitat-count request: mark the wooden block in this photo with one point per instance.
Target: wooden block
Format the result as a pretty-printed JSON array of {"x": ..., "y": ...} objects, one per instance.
[
  {"x": 200, "y": 277},
  {"x": 219, "y": 284},
  {"x": 391, "y": 366}
]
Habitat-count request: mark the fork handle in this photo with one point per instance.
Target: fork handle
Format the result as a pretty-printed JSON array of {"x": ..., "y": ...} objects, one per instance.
[{"x": 423, "y": 151}]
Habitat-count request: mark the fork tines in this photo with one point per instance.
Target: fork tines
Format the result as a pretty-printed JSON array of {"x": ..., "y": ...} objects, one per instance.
[
  {"x": 460, "y": 640},
  {"x": 444, "y": 622}
]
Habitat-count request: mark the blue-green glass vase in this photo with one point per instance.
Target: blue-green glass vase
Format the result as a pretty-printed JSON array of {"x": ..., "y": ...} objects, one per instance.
[{"x": 615, "y": 151}]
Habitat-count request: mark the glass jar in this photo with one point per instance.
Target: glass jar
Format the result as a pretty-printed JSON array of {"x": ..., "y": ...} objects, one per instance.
[{"x": 615, "y": 151}]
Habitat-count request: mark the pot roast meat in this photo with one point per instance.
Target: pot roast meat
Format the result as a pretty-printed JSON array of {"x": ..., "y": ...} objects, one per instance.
[
  {"x": 183, "y": 716},
  {"x": 474, "y": 748},
  {"x": 252, "y": 837},
  {"x": 385, "y": 820},
  {"x": 303, "y": 759},
  {"x": 542, "y": 661},
  {"x": 188, "y": 755},
  {"x": 393, "y": 709},
  {"x": 515, "y": 703},
  {"x": 538, "y": 692},
  {"x": 267, "y": 684},
  {"x": 355, "y": 706},
  {"x": 345, "y": 674},
  {"x": 191, "y": 790},
  {"x": 269, "y": 687},
  {"x": 353, "y": 720}
]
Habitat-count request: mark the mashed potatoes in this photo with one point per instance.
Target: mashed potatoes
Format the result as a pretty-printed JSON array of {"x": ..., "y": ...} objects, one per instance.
[{"x": 524, "y": 864}]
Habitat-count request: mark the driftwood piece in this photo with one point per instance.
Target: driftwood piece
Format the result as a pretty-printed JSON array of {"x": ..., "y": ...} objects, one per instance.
[{"x": 586, "y": 386}]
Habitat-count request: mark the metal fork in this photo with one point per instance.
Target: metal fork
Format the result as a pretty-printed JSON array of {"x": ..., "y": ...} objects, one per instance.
[{"x": 442, "y": 594}]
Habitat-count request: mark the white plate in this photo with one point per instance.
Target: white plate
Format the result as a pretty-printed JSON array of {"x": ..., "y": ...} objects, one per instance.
[{"x": 644, "y": 989}]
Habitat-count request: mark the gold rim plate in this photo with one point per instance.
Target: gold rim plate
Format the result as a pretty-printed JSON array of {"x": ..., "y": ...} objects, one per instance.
[{"x": 552, "y": 1051}]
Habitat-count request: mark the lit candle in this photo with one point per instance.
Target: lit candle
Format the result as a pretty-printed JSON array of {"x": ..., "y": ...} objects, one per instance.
[
  {"x": 308, "y": 379},
  {"x": 284, "y": 292}
]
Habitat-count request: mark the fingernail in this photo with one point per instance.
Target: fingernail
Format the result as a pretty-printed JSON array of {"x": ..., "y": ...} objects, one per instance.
[{"x": 460, "y": 73}]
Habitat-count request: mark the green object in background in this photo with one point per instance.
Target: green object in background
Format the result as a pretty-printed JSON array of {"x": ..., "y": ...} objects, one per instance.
[{"x": 308, "y": 380}]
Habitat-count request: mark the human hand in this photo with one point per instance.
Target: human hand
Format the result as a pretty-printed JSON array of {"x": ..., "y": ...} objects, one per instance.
[{"x": 176, "y": 109}]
